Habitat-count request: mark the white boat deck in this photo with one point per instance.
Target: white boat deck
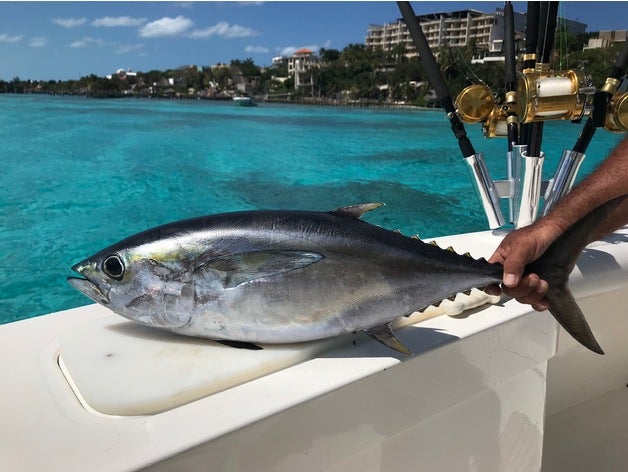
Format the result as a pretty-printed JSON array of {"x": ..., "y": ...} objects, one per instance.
[
  {"x": 474, "y": 397},
  {"x": 590, "y": 436}
]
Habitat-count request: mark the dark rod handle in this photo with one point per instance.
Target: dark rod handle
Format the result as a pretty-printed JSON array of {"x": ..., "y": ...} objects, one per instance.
[
  {"x": 424, "y": 50},
  {"x": 532, "y": 32},
  {"x": 545, "y": 43},
  {"x": 436, "y": 77},
  {"x": 586, "y": 135},
  {"x": 509, "y": 48}
]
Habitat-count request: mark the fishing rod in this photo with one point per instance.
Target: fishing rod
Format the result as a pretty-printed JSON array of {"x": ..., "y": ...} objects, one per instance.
[
  {"x": 510, "y": 71},
  {"x": 527, "y": 195},
  {"x": 610, "y": 111},
  {"x": 548, "y": 12},
  {"x": 484, "y": 185},
  {"x": 510, "y": 106},
  {"x": 534, "y": 96},
  {"x": 529, "y": 58},
  {"x": 602, "y": 100}
]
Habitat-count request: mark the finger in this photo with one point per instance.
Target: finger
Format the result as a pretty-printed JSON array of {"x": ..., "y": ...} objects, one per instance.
[
  {"x": 531, "y": 290},
  {"x": 493, "y": 290},
  {"x": 541, "y": 305},
  {"x": 501, "y": 252},
  {"x": 524, "y": 288},
  {"x": 512, "y": 260}
]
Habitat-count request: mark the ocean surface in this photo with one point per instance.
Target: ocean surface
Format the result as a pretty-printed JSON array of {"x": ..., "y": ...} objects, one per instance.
[{"x": 80, "y": 174}]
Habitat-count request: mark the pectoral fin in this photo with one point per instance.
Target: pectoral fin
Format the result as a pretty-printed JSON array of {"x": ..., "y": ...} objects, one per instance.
[
  {"x": 237, "y": 269},
  {"x": 385, "y": 335}
]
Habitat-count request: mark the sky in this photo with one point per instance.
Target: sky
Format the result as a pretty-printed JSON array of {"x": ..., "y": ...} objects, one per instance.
[{"x": 68, "y": 40}]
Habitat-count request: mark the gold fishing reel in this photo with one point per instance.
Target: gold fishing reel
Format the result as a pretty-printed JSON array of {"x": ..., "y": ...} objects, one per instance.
[
  {"x": 617, "y": 113},
  {"x": 553, "y": 95},
  {"x": 541, "y": 95},
  {"x": 475, "y": 103}
]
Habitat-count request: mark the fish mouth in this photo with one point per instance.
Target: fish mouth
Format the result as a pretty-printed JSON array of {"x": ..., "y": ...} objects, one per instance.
[{"x": 87, "y": 287}]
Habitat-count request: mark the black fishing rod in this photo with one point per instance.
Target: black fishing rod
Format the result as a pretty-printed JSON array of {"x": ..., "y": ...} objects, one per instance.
[
  {"x": 547, "y": 31},
  {"x": 484, "y": 185},
  {"x": 510, "y": 75},
  {"x": 436, "y": 77},
  {"x": 529, "y": 58},
  {"x": 601, "y": 100},
  {"x": 548, "y": 12},
  {"x": 571, "y": 159}
]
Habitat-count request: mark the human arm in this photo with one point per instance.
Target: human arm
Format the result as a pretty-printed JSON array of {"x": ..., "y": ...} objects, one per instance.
[{"x": 527, "y": 244}]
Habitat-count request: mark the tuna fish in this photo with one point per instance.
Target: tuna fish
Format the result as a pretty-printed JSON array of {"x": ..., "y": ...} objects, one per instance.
[{"x": 291, "y": 276}]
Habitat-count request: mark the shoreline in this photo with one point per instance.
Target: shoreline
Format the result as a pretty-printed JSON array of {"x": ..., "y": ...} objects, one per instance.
[{"x": 309, "y": 101}]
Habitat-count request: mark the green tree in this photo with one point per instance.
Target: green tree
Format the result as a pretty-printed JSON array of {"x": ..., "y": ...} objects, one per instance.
[
  {"x": 329, "y": 55},
  {"x": 246, "y": 68}
]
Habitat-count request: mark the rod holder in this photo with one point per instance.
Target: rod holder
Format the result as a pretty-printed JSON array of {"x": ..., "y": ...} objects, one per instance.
[
  {"x": 563, "y": 179},
  {"x": 485, "y": 188},
  {"x": 515, "y": 158},
  {"x": 528, "y": 189}
]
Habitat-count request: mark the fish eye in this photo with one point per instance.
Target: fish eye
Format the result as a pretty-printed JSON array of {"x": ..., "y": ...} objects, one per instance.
[{"x": 113, "y": 267}]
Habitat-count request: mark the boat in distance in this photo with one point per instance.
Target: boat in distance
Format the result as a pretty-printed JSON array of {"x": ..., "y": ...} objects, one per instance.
[{"x": 245, "y": 101}]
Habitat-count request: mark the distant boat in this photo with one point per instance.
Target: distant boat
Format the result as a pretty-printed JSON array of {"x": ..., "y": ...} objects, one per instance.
[{"x": 245, "y": 101}]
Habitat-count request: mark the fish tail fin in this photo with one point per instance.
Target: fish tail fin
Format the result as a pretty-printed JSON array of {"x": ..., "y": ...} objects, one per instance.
[{"x": 555, "y": 265}]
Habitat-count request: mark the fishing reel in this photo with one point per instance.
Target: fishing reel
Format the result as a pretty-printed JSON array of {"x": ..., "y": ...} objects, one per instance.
[
  {"x": 560, "y": 95},
  {"x": 476, "y": 104},
  {"x": 541, "y": 95},
  {"x": 617, "y": 113}
]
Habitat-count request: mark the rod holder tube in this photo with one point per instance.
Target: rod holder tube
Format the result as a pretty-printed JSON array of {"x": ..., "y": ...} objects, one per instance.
[
  {"x": 485, "y": 188},
  {"x": 563, "y": 179},
  {"x": 514, "y": 176},
  {"x": 530, "y": 189}
]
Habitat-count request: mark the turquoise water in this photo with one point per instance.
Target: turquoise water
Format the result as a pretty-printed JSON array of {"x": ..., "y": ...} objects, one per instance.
[{"x": 80, "y": 174}]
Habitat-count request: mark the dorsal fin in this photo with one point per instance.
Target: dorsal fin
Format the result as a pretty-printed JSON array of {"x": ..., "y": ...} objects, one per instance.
[{"x": 356, "y": 211}]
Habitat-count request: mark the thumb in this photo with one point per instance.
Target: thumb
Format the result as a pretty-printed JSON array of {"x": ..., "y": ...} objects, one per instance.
[{"x": 514, "y": 265}]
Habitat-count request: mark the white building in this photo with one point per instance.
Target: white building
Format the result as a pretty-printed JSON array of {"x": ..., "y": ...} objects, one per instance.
[
  {"x": 299, "y": 65},
  {"x": 458, "y": 29}
]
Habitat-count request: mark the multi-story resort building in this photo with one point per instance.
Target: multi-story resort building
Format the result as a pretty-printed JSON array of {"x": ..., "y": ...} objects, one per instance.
[{"x": 456, "y": 28}]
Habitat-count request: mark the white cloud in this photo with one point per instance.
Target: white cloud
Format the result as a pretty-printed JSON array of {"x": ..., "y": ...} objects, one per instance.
[
  {"x": 38, "y": 42},
  {"x": 165, "y": 26},
  {"x": 112, "y": 21},
  {"x": 287, "y": 51},
  {"x": 256, "y": 49},
  {"x": 224, "y": 30},
  {"x": 5, "y": 38},
  {"x": 87, "y": 41},
  {"x": 69, "y": 22},
  {"x": 125, "y": 48}
]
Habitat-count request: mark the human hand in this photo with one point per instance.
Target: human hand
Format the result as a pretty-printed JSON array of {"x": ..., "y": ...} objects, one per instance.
[{"x": 515, "y": 252}]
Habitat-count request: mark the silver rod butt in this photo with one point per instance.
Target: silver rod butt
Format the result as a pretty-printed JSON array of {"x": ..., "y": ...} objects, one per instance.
[
  {"x": 485, "y": 189},
  {"x": 515, "y": 158},
  {"x": 563, "y": 179},
  {"x": 530, "y": 189}
]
